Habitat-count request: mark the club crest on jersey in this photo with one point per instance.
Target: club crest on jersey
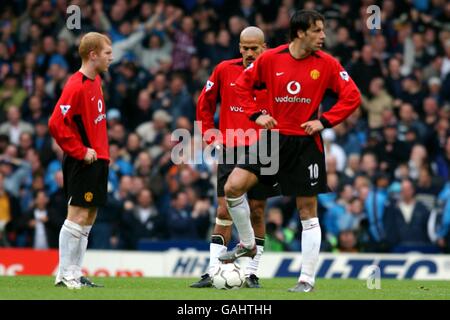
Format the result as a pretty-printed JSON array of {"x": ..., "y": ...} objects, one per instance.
[
  {"x": 64, "y": 108},
  {"x": 344, "y": 75},
  {"x": 88, "y": 196},
  {"x": 209, "y": 85},
  {"x": 315, "y": 74}
]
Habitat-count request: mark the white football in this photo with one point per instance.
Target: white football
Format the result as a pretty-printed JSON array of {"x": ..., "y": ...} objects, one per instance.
[{"x": 228, "y": 276}]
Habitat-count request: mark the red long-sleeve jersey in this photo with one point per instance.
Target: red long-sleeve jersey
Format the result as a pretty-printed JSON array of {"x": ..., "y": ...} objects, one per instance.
[
  {"x": 296, "y": 88},
  {"x": 79, "y": 118},
  {"x": 222, "y": 84}
]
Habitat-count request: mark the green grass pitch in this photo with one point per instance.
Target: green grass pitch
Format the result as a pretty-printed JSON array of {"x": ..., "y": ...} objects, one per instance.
[{"x": 41, "y": 288}]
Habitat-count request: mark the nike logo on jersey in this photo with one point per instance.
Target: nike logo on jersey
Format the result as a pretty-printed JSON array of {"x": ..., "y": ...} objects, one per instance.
[
  {"x": 92, "y": 99},
  {"x": 279, "y": 74},
  {"x": 232, "y": 84},
  {"x": 314, "y": 183}
]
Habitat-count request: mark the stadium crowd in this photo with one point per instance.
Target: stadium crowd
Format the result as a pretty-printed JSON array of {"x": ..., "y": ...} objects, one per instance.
[{"x": 388, "y": 165}]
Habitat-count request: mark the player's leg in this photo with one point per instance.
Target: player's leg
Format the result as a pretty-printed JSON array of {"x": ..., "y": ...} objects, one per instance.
[
  {"x": 86, "y": 188},
  {"x": 219, "y": 240},
  {"x": 259, "y": 227},
  {"x": 303, "y": 175},
  {"x": 69, "y": 247},
  {"x": 92, "y": 215},
  {"x": 311, "y": 240},
  {"x": 238, "y": 183}
]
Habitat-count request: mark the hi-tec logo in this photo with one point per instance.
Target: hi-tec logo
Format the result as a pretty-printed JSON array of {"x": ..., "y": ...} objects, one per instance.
[
  {"x": 236, "y": 109},
  {"x": 293, "y": 87}
]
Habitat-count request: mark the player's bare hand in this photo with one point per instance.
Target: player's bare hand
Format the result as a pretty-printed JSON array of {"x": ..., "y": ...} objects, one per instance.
[
  {"x": 266, "y": 121},
  {"x": 312, "y": 127},
  {"x": 90, "y": 156}
]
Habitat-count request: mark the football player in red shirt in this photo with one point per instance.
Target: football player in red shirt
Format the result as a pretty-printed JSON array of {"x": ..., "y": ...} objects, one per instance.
[
  {"x": 296, "y": 76},
  {"x": 78, "y": 124},
  {"x": 221, "y": 84}
]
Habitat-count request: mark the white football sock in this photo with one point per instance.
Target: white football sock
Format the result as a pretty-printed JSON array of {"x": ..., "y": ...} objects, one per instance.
[
  {"x": 69, "y": 248},
  {"x": 252, "y": 266},
  {"x": 240, "y": 212},
  {"x": 83, "y": 247},
  {"x": 215, "y": 251},
  {"x": 311, "y": 239}
]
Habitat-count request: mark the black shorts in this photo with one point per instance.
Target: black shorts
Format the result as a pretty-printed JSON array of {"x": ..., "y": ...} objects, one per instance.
[
  {"x": 301, "y": 170},
  {"x": 261, "y": 191},
  {"x": 85, "y": 185}
]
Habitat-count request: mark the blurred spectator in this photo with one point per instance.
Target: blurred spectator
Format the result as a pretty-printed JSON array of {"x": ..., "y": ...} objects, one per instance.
[
  {"x": 409, "y": 121},
  {"x": 182, "y": 222},
  {"x": 375, "y": 205},
  {"x": 11, "y": 94},
  {"x": 152, "y": 132},
  {"x": 9, "y": 215},
  {"x": 443, "y": 161},
  {"x": 16, "y": 174},
  {"x": 141, "y": 221},
  {"x": 15, "y": 125},
  {"x": 427, "y": 188},
  {"x": 333, "y": 149},
  {"x": 365, "y": 70},
  {"x": 42, "y": 142},
  {"x": 105, "y": 232},
  {"x": 406, "y": 222},
  {"x": 35, "y": 223},
  {"x": 347, "y": 242},
  {"x": 278, "y": 238},
  {"x": 377, "y": 101},
  {"x": 184, "y": 48},
  {"x": 443, "y": 232},
  {"x": 391, "y": 151}
]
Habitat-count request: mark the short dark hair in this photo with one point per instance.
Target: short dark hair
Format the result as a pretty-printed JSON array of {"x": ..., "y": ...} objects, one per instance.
[{"x": 302, "y": 20}]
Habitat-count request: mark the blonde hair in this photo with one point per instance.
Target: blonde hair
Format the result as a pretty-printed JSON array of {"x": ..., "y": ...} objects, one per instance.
[{"x": 92, "y": 41}]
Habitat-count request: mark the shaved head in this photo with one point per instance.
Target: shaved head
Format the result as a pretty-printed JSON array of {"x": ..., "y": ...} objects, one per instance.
[
  {"x": 251, "y": 44},
  {"x": 252, "y": 33}
]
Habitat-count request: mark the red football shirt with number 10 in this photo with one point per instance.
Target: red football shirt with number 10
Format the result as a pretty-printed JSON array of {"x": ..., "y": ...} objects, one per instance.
[{"x": 79, "y": 118}]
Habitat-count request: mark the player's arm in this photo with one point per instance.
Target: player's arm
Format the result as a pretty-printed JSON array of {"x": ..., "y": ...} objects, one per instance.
[
  {"x": 250, "y": 80},
  {"x": 61, "y": 125},
  {"x": 349, "y": 97},
  {"x": 207, "y": 102}
]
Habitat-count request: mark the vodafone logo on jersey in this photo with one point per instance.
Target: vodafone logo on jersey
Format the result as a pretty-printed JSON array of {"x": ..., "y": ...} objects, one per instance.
[
  {"x": 293, "y": 87},
  {"x": 101, "y": 116},
  {"x": 236, "y": 109}
]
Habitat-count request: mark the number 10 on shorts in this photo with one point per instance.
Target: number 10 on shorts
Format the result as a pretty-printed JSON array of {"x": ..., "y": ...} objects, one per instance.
[{"x": 313, "y": 171}]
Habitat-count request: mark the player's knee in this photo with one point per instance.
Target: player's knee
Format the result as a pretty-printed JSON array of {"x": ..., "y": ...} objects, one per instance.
[
  {"x": 233, "y": 189},
  {"x": 308, "y": 209},
  {"x": 78, "y": 215}
]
